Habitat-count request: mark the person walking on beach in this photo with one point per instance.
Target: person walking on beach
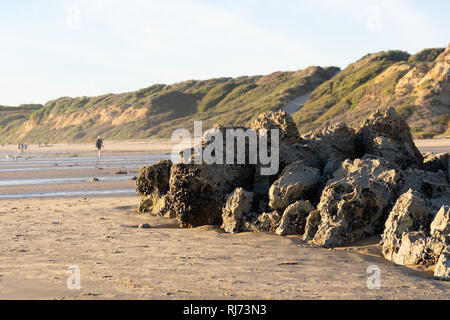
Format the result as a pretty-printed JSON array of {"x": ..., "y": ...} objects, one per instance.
[{"x": 100, "y": 146}]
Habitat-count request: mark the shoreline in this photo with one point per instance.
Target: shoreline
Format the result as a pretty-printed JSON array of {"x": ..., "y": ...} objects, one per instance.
[{"x": 165, "y": 146}]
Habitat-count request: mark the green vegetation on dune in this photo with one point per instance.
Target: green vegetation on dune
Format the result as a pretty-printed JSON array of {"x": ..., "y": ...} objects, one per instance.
[
  {"x": 13, "y": 118},
  {"x": 157, "y": 110},
  {"x": 426, "y": 55},
  {"x": 374, "y": 82},
  {"x": 337, "y": 90}
]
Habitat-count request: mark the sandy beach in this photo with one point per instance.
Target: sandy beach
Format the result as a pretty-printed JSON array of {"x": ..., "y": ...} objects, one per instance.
[
  {"x": 95, "y": 226},
  {"x": 42, "y": 238}
]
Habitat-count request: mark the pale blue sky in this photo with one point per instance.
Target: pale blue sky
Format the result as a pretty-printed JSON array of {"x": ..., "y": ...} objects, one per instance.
[{"x": 54, "y": 48}]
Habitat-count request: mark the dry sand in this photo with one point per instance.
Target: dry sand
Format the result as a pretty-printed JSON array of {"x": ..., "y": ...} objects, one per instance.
[{"x": 41, "y": 237}]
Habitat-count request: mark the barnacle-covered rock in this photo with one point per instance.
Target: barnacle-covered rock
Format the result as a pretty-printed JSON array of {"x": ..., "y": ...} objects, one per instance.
[
  {"x": 410, "y": 214},
  {"x": 352, "y": 204},
  {"x": 199, "y": 191},
  {"x": 294, "y": 218},
  {"x": 442, "y": 269},
  {"x": 386, "y": 134},
  {"x": 439, "y": 234},
  {"x": 335, "y": 186},
  {"x": 435, "y": 162},
  {"x": 312, "y": 225},
  {"x": 154, "y": 178},
  {"x": 152, "y": 185},
  {"x": 238, "y": 204},
  {"x": 296, "y": 182},
  {"x": 433, "y": 186},
  {"x": 411, "y": 249},
  {"x": 278, "y": 120},
  {"x": 266, "y": 222},
  {"x": 331, "y": 146}
]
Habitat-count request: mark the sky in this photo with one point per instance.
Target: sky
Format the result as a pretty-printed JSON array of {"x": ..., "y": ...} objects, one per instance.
[{"x": 55, "y": 48}]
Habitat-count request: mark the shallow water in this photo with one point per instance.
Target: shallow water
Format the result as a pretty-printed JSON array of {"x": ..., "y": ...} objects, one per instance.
[
  {"x": 73, "y": 165},
  {"x": 24, "y": 182},
  {"x": 80, "y": 161},
  {"x": 69, "y": 193}
]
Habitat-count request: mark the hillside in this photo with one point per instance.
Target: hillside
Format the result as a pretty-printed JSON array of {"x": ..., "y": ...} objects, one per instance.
[
  {"x": 157, "y": 110},
  {"x": 13, "y": 118},
  {"x": 418, "y": 86}
]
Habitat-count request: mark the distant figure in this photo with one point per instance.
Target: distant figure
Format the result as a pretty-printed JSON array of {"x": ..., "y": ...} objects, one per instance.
[{"x": 100, "y": 146}]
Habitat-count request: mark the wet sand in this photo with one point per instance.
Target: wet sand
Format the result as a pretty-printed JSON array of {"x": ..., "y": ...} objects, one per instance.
[
  {"x": 111, "y": 148},
  {"x": 50, "y": 171},
  {"x": 43, "y": 236}
]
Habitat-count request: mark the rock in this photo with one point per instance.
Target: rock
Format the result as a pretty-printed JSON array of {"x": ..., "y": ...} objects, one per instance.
[
  {"x": 299, "y": 152},
  {"x": 331, "y": 146},
  {"x": 442, "y": 269},
  {"x": 199, "y": 191},
  {"x": 312, "y": 225},
  {"x": 94, "y": 179},
  {"x": 278, "y": 120},
  {"x": 157, "y": 205},
  {"x": 121, "y": 172},
  {"x": 260, "y": 183},
  {"x": 238, "y": 204},
  {"x": 375, "y": 180},
  {"x": 352, "y": 204},
  {"x": 154, "y": 178},
  {"x": 410, "y": 214},
  {"x": 144, "y": 226},
  {"x": 153, "y": 187},
  {"x": 435, "y": 162},
  {"x": 412, "y": 247},
  {"x": 291, "y": 145},
  {"x": 387, "y": 135},
  {"x": 294, "y": 218},
  {"x": 266, "y": 222},
  {"x": 433, "y": 186},
  {"x": 296, "y": 182},
  {"x": 146, "y": 204},
  {"x": 133, "y": 178},
  {"x": 439, "y": 234}
]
